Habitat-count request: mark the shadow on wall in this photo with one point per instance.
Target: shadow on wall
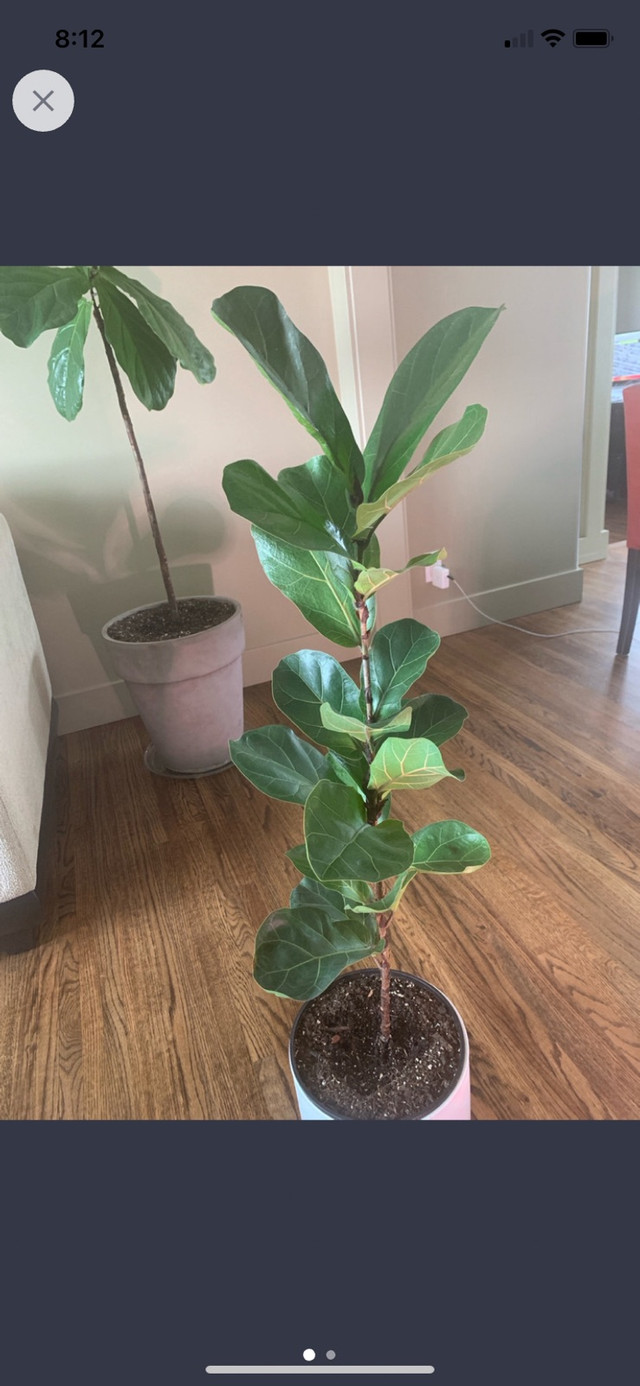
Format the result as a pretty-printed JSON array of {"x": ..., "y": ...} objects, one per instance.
[{"x": 91, "y": 552}]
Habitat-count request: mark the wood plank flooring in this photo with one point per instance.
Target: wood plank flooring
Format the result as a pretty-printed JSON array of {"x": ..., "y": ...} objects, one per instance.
[{"x": 139, "y": 1003}]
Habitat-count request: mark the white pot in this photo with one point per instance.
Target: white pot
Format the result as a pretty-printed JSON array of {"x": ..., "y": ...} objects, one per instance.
[
  {"x": 455, "y": 1104},
  {"x": 188, "y": 692}
]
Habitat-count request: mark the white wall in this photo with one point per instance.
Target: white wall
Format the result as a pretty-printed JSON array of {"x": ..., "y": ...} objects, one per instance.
[
  {"x": 508, "y": 513},
  {"x": 72, "y": 498}
]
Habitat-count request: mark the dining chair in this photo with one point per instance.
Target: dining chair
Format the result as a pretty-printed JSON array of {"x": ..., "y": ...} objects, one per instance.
[{"x": 631, "y": 600}]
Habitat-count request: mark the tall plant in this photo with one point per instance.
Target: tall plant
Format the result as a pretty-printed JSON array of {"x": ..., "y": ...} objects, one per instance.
[
  {"x": 139, "y": 331},
  {"x": 316, "y": 533}
]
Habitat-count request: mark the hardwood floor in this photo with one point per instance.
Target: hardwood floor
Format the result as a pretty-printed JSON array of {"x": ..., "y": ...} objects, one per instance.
[{"x": 139, "y": 1002}]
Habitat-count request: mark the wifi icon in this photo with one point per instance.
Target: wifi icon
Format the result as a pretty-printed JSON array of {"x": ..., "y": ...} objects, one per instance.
[{"x": 552, "y": 36}]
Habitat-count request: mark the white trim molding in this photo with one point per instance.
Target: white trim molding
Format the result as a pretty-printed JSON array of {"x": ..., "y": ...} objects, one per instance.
[
  {"x": 451, "y": 613},
  {"x": 362, "y": 303},
  {"x": 594, "y": 538}
]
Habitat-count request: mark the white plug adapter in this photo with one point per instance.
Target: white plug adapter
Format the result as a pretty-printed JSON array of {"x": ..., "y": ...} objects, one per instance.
[{"x": 437, "y": 574}]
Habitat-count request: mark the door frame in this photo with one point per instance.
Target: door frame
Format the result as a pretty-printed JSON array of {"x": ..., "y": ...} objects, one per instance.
[{"x": 603, "y": 297}]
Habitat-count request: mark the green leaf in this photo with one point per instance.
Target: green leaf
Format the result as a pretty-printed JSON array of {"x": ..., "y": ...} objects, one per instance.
[
  {"x": 391, "y": 900},
  {"x": 398, "y": 656},
  {"x": 300, "y": 951},
  {"x": 341, "y": 843},
  {"x": 331, "y": 899},
  {"x": 354, "y": 773},
  {"x": 36, "y": 298},
  {"x": 336, "y": 721},
  {"x": 445, "y": 848},
  {"x": 298, "y": 855},
  {"x": 356, "y": 892},
  {"x": 436, "y": 717},
  {"x": 421, "y": 385},
  {"x": 293, "y": 365},
  {"x": 310, "y": 892},
  {"x": 370, "y": 579},
  {"x": 401, "y": 764},
  {"x": 319, "y": 584},
  {"x": 302, "y": 682},
  {"x": 278, "y": 762},
  {"x": 449, "y": 847},
  {"x": 66, "y": 363},
  {"x": 143, "y": 357},
  {"x": 371, "y": 555},
  {"x": 400, "y": 722},
  {"x": 318, "y": 485},
  {"x": 452, "y": 442},
  {"x": 251, "y": 492},
  {"x": 167, "y": 324}
]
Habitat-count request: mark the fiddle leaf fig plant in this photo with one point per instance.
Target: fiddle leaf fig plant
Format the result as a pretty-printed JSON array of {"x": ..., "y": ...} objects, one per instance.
[
  {"x": 316, "y": 533},
  {"x": 141, "y": 333}
]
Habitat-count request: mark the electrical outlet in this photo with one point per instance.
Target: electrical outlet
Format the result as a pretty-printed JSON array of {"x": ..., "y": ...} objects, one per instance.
[{"x": 437, "y": 575}]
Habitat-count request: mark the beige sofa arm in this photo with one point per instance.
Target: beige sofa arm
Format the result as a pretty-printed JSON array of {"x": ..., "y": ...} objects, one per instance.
[{"x": 25, "y": 726}]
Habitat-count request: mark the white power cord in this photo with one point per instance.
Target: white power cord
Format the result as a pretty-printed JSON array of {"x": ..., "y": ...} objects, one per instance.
[{"x": 441, "y": 577}]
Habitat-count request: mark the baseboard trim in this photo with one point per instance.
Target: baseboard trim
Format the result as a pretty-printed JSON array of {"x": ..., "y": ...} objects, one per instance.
[
  {"x": 21, "y": 919},
  {"x": 449, "y": 613},
  {"x": 110, "y": 702},
  {"x": 94, "y": 707},
  {"x": 259, "y": 664},
  {"x": 593, "y": 547}
]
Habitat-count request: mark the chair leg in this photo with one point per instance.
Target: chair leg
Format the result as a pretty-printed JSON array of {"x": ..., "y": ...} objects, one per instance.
[{"x": 630, "y": 602}]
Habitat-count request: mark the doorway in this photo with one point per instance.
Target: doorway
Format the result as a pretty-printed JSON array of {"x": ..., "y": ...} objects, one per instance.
[
  {"x": 625, "y": 373},
  {"x": 613, "y": 360}
]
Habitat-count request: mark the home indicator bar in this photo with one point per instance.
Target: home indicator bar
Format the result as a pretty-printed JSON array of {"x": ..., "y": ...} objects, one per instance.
[{"x": 311, "y": 1370}]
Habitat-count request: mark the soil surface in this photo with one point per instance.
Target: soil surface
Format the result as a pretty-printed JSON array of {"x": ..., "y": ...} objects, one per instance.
[
  {"x": 156, "y": 622},
  {"x": 341, "y": 1059}
]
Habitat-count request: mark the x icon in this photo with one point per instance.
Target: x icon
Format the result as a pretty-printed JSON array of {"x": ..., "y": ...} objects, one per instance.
[{"x": 43, "y": 100}]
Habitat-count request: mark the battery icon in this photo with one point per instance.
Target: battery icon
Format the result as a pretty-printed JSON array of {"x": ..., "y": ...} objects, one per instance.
[{"x": 591, "y": 38}]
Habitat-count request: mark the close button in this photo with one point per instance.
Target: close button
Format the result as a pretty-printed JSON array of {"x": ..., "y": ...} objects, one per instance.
[{"x": 43, "y": 100}]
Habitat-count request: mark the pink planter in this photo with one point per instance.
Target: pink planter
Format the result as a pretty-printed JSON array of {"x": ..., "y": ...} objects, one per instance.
[
  {"x": 188, "y": 692},
  {"x": 455, "y": 1105}
]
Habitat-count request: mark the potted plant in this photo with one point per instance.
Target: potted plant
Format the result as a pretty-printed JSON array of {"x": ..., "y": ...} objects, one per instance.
[
  {"x": 372, "y": 1043},
  {"x": 181, "y": 658}
]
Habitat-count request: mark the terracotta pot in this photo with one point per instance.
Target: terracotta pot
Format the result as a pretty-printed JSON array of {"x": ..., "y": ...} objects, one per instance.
[
  {"x": 188, "y": 692},
  {"x": 454, "y": 1105}
]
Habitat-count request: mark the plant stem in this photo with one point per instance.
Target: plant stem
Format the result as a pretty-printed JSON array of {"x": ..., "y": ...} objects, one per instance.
[
  {"x": 363, "y": 616},
  {"x": 384, "y": 921},
  {"x": 153, "y": 519},
  {"x": 373, "y": 813}
]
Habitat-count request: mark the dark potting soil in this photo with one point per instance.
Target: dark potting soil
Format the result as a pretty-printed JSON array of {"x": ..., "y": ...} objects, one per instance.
[
  {"x": 341, "y": 1059},
  {"x": 157, "y": 623}
]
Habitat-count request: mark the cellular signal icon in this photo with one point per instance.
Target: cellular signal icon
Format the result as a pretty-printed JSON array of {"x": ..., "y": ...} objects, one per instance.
[
  {"x": 552, "y": 36},
  {"x": 521, "y": 41}
]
